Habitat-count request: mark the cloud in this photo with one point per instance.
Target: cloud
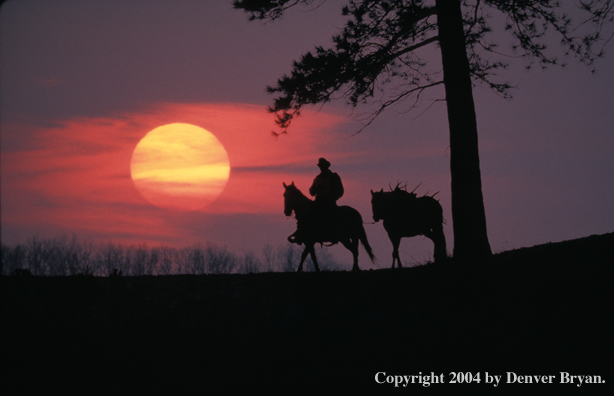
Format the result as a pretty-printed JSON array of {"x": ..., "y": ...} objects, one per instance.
[
  {"x": 74, "y": 175},
  {"x": 51, "y": 82}
]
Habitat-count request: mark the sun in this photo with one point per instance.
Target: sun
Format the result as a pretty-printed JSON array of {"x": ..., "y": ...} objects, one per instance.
[{"x": 180, "y": 166}]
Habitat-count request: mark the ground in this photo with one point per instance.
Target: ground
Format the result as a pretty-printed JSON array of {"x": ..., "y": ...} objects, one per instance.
[{"x": 534, "y": 311}]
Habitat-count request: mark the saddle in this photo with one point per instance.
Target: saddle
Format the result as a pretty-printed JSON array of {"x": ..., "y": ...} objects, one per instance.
[{"x": 321, "y": 226}]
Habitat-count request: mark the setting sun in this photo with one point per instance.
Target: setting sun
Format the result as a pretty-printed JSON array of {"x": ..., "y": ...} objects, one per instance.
[{"x": 180, "y": 166}]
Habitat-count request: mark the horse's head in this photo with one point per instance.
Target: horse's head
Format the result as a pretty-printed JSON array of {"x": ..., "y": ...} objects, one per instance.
[
  {"x": 289, "y": 198},
  {"x": 377, "y": 204}
]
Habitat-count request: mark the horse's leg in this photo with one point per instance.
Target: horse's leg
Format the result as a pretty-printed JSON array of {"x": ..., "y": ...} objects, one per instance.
[
  {"x": 396, "y": 242},
  {"x": 303, "y": 257},
  {"x": 352, "y": 246},
  {"x": 313, "y": 258},
  {"x": 431, "y": 235},
  {"x": 439, "y": 241},
  {"x": 355, "y": 243}
]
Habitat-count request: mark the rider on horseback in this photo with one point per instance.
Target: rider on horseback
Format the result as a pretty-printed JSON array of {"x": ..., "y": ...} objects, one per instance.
[
  {"x": 327, "y": 189},
  {"x": 327, "y": 186}
]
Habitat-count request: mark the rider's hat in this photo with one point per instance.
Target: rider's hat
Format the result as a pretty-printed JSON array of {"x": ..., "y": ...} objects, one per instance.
[{"x": 323, "y": 163}]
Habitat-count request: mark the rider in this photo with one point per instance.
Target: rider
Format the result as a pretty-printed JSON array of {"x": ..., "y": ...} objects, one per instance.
[
  {"x": 327, "y": 189},
  {"x": 327, "y": 186}
]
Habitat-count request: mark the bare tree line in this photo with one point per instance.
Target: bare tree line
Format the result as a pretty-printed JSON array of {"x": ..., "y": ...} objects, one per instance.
[{"x": 65, "y": 256}]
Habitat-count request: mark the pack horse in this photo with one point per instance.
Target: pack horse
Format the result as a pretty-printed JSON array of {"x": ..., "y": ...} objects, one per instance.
[{"x": 406, "y": 215}]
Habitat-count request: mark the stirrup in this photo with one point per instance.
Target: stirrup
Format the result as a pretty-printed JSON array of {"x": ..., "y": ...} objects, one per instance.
[{"x": 294, "y": 239}]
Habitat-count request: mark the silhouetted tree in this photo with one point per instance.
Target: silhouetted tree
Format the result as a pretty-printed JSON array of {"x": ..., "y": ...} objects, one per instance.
[
  {"x": 377, "y": 55},
  {"x": 109, "y": 257},
  {"x": 167, "y": 256},
  {"x": 251, "y": 263}
]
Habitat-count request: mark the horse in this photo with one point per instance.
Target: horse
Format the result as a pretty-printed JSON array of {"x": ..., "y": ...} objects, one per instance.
[
  {"x": 406, "y": 215},
  {"x": 346, "y": 226}
]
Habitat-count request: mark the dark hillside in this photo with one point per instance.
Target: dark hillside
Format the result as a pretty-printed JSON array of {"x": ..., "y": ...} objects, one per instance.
[{"x": 533, "y": 311}]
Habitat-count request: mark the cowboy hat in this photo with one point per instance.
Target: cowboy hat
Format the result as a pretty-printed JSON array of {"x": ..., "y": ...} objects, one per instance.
[{"x": 323, "y": 163}]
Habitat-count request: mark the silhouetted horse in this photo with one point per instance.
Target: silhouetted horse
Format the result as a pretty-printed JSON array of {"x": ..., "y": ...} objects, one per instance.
[
  {"x": 345, "y": 227},
  {"x": 406, "y": 215}
]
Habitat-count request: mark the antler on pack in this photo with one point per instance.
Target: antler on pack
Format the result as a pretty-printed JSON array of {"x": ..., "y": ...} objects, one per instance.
[{"x": 398, "y": 187}]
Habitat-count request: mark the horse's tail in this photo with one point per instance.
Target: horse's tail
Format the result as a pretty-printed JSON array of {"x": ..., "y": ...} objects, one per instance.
[{"x": 362, "y": 236}]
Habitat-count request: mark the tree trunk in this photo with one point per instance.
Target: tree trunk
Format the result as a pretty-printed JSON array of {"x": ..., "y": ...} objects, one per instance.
[{"x": 468, "y": 215}]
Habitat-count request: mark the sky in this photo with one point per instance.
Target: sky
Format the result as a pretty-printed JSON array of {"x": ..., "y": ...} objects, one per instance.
[{"x": 82, "y": 82}]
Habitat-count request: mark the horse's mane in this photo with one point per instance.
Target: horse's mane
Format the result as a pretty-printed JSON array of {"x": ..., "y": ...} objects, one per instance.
[
  {"x": 292, "y": 187},
  {"x": 295, "y": 188}
]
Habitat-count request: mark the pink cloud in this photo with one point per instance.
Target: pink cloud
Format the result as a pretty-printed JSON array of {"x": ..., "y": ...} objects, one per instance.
[
  {"x": 51, "y": 82},
  {"x": 76, "y": 175}
]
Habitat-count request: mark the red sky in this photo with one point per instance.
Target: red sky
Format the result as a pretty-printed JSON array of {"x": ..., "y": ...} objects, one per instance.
[{"x": 82, "y": 82}]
